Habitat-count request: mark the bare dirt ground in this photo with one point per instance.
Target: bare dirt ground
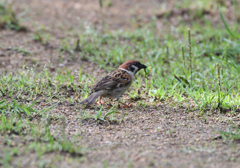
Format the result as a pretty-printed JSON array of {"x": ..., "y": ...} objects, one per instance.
[{"x": 158, "y": 136}]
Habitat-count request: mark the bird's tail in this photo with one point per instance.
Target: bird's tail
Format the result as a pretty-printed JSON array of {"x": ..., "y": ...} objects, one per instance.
[{"x": 91, "y": 99}]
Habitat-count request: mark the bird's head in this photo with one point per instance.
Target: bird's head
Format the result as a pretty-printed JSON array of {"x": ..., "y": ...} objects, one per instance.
[{"x": 133, "y": 66}]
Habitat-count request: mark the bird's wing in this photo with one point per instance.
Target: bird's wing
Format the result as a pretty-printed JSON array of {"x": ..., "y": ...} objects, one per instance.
[{"x": 116, "y": 79}]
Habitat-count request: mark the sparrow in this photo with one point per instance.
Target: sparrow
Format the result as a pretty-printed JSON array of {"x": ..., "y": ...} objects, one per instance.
[{"x": 115, "y": 83}]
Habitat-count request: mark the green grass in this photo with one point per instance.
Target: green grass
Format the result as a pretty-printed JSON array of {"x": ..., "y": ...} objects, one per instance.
[
  {"x": 37, "y": 137},
  {"x": 111, "y": 49},
  {"x": 23, "y": 114}
]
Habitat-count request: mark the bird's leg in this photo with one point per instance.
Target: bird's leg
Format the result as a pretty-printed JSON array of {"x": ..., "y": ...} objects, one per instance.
[{"x": 100, "y": 101}]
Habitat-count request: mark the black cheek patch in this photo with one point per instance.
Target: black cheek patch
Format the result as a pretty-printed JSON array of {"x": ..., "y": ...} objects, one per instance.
[{"x": 130, "y": 68}]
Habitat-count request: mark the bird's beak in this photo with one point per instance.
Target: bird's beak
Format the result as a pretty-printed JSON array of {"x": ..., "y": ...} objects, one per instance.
[{"x": 143, "y": 66}]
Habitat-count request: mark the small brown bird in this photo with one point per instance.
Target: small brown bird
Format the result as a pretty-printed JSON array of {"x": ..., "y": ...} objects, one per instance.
[{"x": 115, "y": 83}]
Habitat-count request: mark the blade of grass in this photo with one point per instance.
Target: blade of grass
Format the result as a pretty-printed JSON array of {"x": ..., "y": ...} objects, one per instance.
[
  {"x": 180, "y": 82},
  {"x": 110, "y": 111},
  {"x": 234, "y": 35}
]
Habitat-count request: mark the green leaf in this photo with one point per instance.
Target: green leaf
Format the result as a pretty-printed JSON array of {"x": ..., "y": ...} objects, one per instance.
[
  {"x": 110, "y": 111},
  {"x": 99, "y": 114},
  {"x": 227, "y": 93},
  {"x": 46, "y": 109}
]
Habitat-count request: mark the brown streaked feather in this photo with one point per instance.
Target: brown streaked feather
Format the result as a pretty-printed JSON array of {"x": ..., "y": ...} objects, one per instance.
[{"x": 116, "y": 79}]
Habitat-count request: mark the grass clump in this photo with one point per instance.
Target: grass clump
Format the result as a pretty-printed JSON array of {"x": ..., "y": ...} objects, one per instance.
[
  {"x": 8, "y": 19},
  {"x": 11, "y": 125},
  {"x": 46, "y": 142},
  {"x": 235, "y": 136}
]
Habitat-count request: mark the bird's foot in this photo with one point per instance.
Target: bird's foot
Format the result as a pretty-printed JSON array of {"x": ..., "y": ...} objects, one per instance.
[{"x": 100, "y": 101}]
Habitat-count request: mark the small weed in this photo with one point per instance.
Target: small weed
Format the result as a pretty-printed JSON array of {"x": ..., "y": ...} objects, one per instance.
[
  {"x": 111, "y": 111},
  {"x": 190, "y": 54},
  {"x": 19, "y": 109},
  {"x": 11, "y": 125},
  {"x": 7, "y": 158},
  {"x": 40, "y": 36},
  {"x": 8, "y": 19},
  {"x": 231, "y": 135},
  {"x": 23, "y": 51}
]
